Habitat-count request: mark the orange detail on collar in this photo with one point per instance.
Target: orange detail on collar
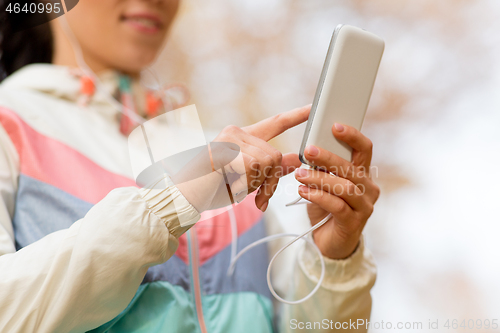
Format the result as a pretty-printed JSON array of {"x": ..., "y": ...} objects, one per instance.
[
  {"x": 153, "y": 104},
  {"x": 87, "y": 86}
]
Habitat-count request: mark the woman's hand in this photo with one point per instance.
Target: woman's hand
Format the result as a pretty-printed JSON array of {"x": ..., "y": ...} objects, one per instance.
[
  {"x": 349, "y": 195},
  {"x": 254, "y": 163},
  {"x": 263, "y": 163}
]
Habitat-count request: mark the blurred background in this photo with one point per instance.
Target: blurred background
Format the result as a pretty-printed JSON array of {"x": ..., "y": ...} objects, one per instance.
[{"x": 434, "y": 119}]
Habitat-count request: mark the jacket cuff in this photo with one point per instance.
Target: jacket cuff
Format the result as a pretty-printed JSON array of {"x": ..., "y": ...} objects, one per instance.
[
  {"x": 171, "y": 207},
  {"x": 338, "y": 272}
]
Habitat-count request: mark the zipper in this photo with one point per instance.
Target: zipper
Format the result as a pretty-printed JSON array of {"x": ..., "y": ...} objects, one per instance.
[{"x": 195, "y": 277}]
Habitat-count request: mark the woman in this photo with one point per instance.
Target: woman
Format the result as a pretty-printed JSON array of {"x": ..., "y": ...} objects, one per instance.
[{"x": 82, "y": 248}]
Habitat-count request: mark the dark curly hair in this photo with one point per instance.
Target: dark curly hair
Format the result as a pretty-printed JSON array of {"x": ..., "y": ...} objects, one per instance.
[{"x": 19, "y": 48}]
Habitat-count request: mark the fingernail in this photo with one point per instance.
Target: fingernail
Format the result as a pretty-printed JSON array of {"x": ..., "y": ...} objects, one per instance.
[
  {"x": 300, "y": 172},
  {"x": 312, "y": 151},
  {"x": 264, "y": 206},
  {"x": 339, "y": 127},
  {"x": 303, "y": 189}
]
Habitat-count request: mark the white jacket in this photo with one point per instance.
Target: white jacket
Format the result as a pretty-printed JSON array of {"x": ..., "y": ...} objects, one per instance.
[{"x": 78, "y": 277}]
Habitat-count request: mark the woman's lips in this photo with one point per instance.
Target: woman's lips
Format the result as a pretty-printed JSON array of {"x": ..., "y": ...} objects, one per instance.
[{"x": 146, "y": 23}]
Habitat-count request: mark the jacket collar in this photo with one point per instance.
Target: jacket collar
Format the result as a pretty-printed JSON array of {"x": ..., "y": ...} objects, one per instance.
[
  {"x": 59, "y": 81},
  {"x": 64, "y": 83}
]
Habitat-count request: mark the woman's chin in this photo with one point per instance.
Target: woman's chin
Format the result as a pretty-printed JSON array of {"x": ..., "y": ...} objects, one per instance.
[{"x": 134, "y": 63}]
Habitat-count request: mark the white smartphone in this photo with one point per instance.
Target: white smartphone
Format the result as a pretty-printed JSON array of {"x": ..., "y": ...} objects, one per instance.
[{"x": 344, "y": 89}]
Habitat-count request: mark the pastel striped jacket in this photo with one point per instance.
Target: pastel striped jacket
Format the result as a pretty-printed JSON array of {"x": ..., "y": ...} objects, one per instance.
[{"x": 82, "y": 248}]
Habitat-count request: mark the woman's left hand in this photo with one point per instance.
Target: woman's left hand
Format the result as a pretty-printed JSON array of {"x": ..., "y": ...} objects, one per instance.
[{"x": 349, "y": 195}]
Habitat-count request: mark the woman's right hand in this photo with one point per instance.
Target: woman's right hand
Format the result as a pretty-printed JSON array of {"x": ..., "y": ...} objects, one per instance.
[{"x": 258, "y": 164}]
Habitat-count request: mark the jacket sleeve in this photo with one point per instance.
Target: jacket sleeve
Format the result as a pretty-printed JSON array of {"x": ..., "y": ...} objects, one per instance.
[
  {"x": 9, "y": 162},
  {"x": 78, "y": 278},
  {"x": 343, "y": 301}
]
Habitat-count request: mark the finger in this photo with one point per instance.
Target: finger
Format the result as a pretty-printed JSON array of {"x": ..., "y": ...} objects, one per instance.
[
  {"x": 330, "y": 162},
  {"x": 362, "y": 146},
  {"x": 251, "y": 146},
  {"x": 337, "y": 186},
  {"x": 275, "y": 125},
  {"x": 263, "y": 160},
  {"x": 335, "y": 205},
  {"x": 289, "y": 163},
  {"x": 272, "y": 172},
  {"x": 239, "y": 188},
  {"x": 244, "y": 167},
  {"x": 223, "y": 153},
  {"x": 270, "y": 185},
  {"x": 239, "y": 164},
  {"x": 257, "y": 173}
]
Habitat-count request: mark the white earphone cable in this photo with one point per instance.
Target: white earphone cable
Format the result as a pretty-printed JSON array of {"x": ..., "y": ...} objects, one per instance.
[
  {"x": 88, "y": 71},
  {"x": 297, "y": 237},
  {"x": 234, "y": 233}
]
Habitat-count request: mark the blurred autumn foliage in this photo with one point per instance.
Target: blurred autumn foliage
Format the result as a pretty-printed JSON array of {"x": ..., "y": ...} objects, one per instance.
[{"x": 244, "y": 60}]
